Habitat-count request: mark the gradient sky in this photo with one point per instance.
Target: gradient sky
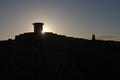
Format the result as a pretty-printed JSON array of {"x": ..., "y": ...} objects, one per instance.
[{"x": 75, "y": 18}]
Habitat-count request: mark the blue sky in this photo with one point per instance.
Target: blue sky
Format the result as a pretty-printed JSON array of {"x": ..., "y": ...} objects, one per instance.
[{"x": 76, "y": 18}]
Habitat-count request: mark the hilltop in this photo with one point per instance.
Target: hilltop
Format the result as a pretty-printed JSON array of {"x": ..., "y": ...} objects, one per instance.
[
  {"x": 49, "y": 56},
  {"x": 58, "y": 57}
]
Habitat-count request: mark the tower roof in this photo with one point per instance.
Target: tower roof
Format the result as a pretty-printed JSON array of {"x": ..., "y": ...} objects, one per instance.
[{"x": 38, "y": 23}]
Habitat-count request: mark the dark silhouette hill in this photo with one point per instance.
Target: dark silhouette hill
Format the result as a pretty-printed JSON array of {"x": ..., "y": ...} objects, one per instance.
[
  {"x": 50, "y": 56},
  {"x": 57, "y": 57}
]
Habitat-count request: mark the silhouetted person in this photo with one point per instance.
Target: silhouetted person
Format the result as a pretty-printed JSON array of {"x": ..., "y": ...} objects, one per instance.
[{"x": 93, "y": 37}]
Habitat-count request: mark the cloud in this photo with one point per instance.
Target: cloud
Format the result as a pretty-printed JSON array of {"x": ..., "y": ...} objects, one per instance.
[{"x": 106, "y": 37}]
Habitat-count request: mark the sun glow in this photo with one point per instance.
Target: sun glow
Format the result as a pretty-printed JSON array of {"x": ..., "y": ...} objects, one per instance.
[{"x": 45, "y": 29}]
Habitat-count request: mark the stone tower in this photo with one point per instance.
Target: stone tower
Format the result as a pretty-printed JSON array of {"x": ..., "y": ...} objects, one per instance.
[{"x": 38, "y": 27}]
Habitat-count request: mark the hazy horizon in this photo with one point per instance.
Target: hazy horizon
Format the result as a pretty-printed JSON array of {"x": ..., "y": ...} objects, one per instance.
[{"x": 74, "y": 18}]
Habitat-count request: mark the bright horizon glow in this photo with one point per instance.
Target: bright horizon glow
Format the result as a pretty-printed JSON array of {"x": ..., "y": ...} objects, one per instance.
[{"x": 45, "y": 29}]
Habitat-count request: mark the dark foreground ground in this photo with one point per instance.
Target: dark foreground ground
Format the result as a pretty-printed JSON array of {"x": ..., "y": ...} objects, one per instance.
[{"x": 60, "y": 58}]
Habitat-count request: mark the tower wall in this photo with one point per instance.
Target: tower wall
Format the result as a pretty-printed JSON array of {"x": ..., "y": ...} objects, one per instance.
[{"x": 38, "y": 27}]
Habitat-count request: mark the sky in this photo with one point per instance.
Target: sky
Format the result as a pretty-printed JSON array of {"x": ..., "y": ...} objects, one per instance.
[{"x": 74, "y": 18}]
